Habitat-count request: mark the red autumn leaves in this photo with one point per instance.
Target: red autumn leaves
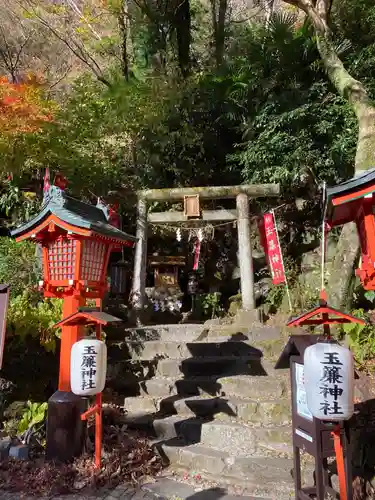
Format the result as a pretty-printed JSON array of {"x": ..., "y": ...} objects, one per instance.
[{"x": 23, "y": 107}]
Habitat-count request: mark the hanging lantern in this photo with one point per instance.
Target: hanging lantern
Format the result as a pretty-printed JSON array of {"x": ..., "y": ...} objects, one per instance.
[
  {"x": 88, "y": 367},
  {"x": 329, "y": 381}
]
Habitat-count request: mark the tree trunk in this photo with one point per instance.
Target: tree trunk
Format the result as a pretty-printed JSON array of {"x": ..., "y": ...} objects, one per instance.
[
  {"x": 269, "y": 6},
  {"x": 347, "y": 86},
  {"x": 182, "y": 22},
  {"x": 347, "y": 254},
  {"x": 218, "y": 25},
  {"x": 354, "y": 91},
  {"x": 124, "y": 25}
]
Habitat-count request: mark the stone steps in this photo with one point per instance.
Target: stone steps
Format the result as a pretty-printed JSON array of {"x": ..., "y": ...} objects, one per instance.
[
  {"x": 202, "y": 366},
  {"x": 189, "y": 332},
  {"x": 240, "y": 438},
  {"x": 262, "y": 476},
  {"x": 252, "y": 387},
  {"x": 212, "y": 401},
  {"x": 166, "y": 488},
  {"x": 180, "y": 350},
  {"x": 219, "y": 408},
  {"x": 195, "y": 332}
]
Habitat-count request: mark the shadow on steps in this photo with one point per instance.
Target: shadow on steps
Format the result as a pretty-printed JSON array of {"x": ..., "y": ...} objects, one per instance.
[
  {"x": 207, "y": 363},
  {"x": 210, "y": 494},
  {"x": 201, "y": 376}
]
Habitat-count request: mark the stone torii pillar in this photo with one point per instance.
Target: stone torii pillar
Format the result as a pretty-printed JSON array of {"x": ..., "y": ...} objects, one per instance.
[
  {"x": 140, "y": 260},
  {"x": 245, "y": 256},
  {"x": 242, "y": 194}
]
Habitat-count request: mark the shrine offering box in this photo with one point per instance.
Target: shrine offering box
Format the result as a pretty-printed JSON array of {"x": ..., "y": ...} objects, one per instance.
[{"x": 166, "y": 269}]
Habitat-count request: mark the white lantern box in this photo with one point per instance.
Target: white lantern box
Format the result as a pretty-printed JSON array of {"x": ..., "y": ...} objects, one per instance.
[
  {"x": 329, "y": 381},
  {"x": 88, "y": 367}
]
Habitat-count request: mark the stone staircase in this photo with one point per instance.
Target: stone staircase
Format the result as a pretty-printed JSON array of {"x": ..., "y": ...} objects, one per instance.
[{"x": 211, "y": 401}]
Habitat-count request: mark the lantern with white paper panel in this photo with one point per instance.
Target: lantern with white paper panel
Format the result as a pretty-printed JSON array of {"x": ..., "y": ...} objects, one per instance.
[
  {"x": 88, "y": 367},
  {"x": 329, "y": 381}
]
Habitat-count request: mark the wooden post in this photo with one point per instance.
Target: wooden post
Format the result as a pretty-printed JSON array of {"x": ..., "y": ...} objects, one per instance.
[
  {"x": 65, "y": 430},
  {"x": 140, "y": 259},
  {"x": 244, "y": 253}
]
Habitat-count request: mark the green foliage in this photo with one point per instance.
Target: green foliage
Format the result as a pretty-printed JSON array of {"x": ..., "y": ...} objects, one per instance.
[
  {"x": 274, "y": 299},
  {"x": 210, "y": 305},
  {"x": 28, "y": 312},
  {"x": 18, "y": 265},
  {"x": 16, "y": 204},
  {"x": 361, "y": 337},
  {"x": 293, "y": 123},
  {"x": 33, "y": 415},
  {"x": 29, "y": 315},
  {"x": 268, "y": 114}
]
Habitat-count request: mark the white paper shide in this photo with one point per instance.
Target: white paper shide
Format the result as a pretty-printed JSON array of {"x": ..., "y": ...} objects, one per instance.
[
  {"x": 329, "y": 381},
  {"x": 88, "y": 367}
]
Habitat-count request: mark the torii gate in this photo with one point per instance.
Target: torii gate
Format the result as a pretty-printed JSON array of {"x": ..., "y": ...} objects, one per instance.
[{"x": 242, "y": 194}]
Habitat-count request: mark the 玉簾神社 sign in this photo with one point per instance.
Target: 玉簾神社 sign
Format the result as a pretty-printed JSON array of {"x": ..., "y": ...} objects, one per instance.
[
  {"x": 329, "y": 381},
  {"x": 310, "y": 434},
  {"x": 88, "y": 364}
]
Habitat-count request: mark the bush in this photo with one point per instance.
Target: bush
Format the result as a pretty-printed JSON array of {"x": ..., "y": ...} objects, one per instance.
[
  {"x": 18, "y": 265},
  {"x": 28, "y": 314}
]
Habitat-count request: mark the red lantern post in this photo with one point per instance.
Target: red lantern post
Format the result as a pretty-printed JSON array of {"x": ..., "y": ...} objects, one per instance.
[
  {"x": 97, "y": 319},
  {"x": 76, "y": 242}
]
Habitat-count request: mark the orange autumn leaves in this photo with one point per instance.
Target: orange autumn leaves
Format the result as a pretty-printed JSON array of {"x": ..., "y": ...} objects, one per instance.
[{"x": 23, "y": 107}]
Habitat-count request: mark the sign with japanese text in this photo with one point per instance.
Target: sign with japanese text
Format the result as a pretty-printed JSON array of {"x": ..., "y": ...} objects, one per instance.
[
  {"x": 88, "y": 367},
  {"x": 301, "y": 401},
  {"x": 273, "y": 250},
  {"x": 329, "y": 372}
]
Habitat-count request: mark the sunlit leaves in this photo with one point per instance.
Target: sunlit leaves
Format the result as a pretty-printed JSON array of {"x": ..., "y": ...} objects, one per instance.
[{"x": 23, "y": 108}]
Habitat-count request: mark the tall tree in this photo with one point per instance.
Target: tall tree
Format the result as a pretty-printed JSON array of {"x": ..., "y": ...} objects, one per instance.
[
  {"x": 319, "y": 13},
  {"x": 182, "y": 23},
  {"x": 219, "y": 10}
]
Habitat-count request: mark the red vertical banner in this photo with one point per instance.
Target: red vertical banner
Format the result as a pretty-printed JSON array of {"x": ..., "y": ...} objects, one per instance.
[
  {"x": 197, "y": 252},
  {"x": 46, "y": 183},
  {"x": 273, "y": 250}
]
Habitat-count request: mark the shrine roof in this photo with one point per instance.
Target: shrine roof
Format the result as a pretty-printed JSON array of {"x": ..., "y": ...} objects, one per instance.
[
  {"x": 75, "y": 213},
  {"x": 88, "y": 317},
  {"x": 331, "y": 316},
  {"x": 343, "y": 200}
]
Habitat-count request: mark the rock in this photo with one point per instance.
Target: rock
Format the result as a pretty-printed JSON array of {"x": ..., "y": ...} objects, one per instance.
[
  {"x": 5, "y": 444},
  {"x": 262, "y": 288},
  {"x": 235, "y": 306},
  {"x": 6, "y": 386},
  {"x": 80, "y": 484},
  {"x": 19, "y": 452},
  {"x": 246, "y": 318},
  {"x": 212, "y": 322},
  {"x": 15, "y": 409}
]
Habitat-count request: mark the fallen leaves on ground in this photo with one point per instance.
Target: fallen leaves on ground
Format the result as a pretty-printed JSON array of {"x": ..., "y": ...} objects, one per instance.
[{"x": 127, "y": 458}]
